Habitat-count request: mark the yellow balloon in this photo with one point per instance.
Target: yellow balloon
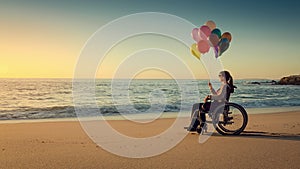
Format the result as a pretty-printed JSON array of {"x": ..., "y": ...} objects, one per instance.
[{"x": 195, "y": 51}]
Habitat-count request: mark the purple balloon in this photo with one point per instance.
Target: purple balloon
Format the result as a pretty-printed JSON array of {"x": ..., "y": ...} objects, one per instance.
[{"x": 216, "y": 50}]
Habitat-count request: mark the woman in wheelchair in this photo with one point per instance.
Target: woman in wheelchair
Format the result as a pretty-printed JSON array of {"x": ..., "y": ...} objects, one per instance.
[{"x": 217, "y": 98}]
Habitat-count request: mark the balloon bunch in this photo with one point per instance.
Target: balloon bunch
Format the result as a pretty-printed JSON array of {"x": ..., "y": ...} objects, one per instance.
[{"x": 209, "y": 36}]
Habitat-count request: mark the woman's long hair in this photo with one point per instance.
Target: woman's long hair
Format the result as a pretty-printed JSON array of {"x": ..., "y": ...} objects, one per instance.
[{"x": 229, "y": 80}]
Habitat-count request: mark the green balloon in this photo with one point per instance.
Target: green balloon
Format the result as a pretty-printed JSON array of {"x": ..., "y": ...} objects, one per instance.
[{"x": 217, "y": 32}]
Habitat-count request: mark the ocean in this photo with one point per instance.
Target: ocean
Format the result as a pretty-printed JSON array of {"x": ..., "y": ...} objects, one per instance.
[{"x": 52, "y": 98}]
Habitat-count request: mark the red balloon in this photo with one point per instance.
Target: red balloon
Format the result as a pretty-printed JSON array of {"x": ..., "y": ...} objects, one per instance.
[
  {"x": 203, "y": 46},
  {"x": 204, "y": 32}
]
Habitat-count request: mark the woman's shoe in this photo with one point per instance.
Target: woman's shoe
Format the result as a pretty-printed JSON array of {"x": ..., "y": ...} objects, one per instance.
[
  {"x": 201, "y": 128},
  {"x": 191, "y": 129}
]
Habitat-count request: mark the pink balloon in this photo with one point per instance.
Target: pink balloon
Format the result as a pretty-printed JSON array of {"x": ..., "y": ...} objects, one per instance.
[
  {"x": 204, "y": 32},
  {"x": 203, "y": 46},
  {"x": 195, "y": 34}
]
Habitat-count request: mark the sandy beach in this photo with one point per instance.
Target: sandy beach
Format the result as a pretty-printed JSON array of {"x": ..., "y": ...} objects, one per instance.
[{"x": 270, "y": 141}]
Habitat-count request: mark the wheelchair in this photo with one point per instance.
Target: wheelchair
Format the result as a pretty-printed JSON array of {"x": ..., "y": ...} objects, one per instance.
[{"x": 228, "y": 118}]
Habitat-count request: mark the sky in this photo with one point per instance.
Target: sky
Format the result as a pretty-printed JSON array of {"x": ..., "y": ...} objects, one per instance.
[{"x": 43, "y": 39}]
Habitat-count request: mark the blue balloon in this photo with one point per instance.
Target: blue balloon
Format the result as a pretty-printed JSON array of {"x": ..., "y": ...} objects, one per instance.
[
  {"x": 224, "y": 40},
  {"x": 223, "y": 45},
  {"x": 217, "y": 32}
]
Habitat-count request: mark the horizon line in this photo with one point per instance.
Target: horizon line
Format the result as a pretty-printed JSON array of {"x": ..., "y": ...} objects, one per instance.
[{"x": 133, "y": 79}]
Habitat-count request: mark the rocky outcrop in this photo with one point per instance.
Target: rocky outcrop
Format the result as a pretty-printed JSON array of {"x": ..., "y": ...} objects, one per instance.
[
  {"x": 290, "y": 80},
  {"x": 272, "y": 82}
]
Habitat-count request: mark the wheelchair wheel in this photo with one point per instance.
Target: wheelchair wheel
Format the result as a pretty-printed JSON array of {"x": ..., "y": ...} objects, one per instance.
[{"x": 231, "y": 119}]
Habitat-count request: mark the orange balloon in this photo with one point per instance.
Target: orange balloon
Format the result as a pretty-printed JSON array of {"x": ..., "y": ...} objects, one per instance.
[
  {"x": 211, "y": 24},
  {"x": 227, "y": 35}
]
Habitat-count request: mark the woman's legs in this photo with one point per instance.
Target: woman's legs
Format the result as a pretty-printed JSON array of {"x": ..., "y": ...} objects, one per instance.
[
  {"x": 194, "y": 115},
  {"x": 204, "y": 108},
  {"x": 202, "y": 116},
  {"x": 196, "y": 112}
]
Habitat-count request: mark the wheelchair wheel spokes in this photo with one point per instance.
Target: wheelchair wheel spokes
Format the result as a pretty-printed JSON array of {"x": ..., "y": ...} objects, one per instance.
[{"x": 233, "y": 120}]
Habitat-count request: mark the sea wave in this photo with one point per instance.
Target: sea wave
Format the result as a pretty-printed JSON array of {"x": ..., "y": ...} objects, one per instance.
[{"x": 44, "y": 98}]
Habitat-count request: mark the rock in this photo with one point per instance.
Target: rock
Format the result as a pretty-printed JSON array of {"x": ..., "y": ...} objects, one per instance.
[
  {"x": 290, "y": 80},
  {"x": 273, "y": 82},
  {"x": 258, "y": 83}
]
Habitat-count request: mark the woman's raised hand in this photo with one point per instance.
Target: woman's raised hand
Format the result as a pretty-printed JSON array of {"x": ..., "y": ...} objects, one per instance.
[{"x": 209, "y": 85}]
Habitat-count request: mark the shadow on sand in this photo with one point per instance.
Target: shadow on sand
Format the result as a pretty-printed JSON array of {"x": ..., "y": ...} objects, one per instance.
[{"x": 266, "y": 135}]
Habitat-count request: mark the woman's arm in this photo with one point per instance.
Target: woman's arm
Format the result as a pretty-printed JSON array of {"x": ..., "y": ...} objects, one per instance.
[
  {"x": 212, "y": 90},
  {"x": 221, "y": 94}
]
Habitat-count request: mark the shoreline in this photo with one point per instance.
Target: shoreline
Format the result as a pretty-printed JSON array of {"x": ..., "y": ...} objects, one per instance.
[{"x": 268, "y": 110}]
